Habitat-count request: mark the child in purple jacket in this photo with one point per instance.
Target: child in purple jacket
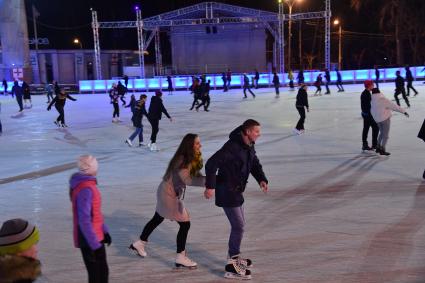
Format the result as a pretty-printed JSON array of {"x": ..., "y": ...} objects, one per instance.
[{"x": 90, "y": 232}]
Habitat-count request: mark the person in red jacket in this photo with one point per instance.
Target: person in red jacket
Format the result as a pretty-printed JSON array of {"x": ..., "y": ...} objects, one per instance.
[{"x": 90, "y": 232}]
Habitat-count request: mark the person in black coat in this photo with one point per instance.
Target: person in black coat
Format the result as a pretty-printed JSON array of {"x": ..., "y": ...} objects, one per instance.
[
  {"x": 368, "y": 121},
  {"x": 421, "y": 135},
  {"x": 256, "y": 78},
  {"x": 4, "y": 86},
  {"x": 410, "y": 79},
  {"x": 276, "y": 83},
  {"x": 56, "y": 87},
  {"x": 224, "y": 79},
  {"x": 339, "y": 81},
  {"x": 300, "y": 77},
  {"x": 205, "y": 98},
  {"x": 139, "y": 111},
  {"x": 229, "y": 78},
  {"x": 227, "y": 173},
  {"x": 170, "y": 85},
  {"x": 318, "y": 85},
  {"x": 301, "y": 104},
  {"x": 156, "y": 108},
  {"x": 125, "y": 80},
  {"x": 27, "y": 95},
  {"x": 399, "y": 88},
  {"x": 121, "y": 92},
  {"x": 328, "y": 81},
  {"x": 18, "y": 92},
  {"x": 59, "y": 102},
  {"x": 197, "y": 93},
  {"x": 246, "y": 87},
  {"x": 377, "y": 76}
]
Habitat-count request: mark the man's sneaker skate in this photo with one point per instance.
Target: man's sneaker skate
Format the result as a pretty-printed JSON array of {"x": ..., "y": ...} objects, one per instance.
[
  {"x": 141, "y": 144},
  {"x": 139, "y": 248},
  {"x": 236, "y": 270},
  {"x": 244, "y": 261},
  {"x": 57, "y": 123},
  {"x": 182, "y": 261}
]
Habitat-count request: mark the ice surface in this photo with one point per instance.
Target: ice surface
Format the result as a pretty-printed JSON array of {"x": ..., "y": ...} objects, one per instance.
[{"x": 333, "y": 214}]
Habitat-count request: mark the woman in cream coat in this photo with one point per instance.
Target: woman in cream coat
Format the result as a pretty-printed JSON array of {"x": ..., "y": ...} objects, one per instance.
[
  {"x": 183, "y": 170},
  {"x": 381, "y": 110}
]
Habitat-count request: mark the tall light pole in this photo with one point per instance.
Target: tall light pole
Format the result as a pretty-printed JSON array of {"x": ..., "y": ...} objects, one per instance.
[
  {"x": 290, "y": 4},
  {"x": 338, "y": 23}
]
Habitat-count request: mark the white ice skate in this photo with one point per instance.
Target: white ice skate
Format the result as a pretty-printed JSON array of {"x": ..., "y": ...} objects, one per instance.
[
  {"x": 141, "y": 144},
  {"x": 139, "y": 248},
  {"x": 154, "y": 147},
  {"x": 296, "y": 132},
  {"x": 182, "y": 261},
  {"x": 128, "y": 141}
]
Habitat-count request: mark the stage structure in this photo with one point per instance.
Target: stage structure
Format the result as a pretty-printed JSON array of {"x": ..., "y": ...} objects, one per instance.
[{"x": 208, "y": 14}]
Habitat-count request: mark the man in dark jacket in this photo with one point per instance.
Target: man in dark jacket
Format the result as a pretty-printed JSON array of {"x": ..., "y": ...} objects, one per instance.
[
  {"x": 246, "y": 86},
  {"x": 421, "y": 135},
  {"x": 377, "y": 76},
  {"x": 399, "y": 88},
  {"x": 328, "y": 81},
  {"x": 156, "y": 108},
  {"x": 410, "y": 79},
  {"x": 276, "y": 83},
  {"x": 256, "y": 78},
  {"x": 301, "y": 104},
  {"x": 18, "y": 92},
  {"x": 235, "y": 161},
  {"x": 339, "y": 81},
  {"x": 368, "y": 121}
]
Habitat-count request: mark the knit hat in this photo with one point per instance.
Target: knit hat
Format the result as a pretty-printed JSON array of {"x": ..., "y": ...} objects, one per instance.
[
  {"x": 368, "y": 83},
  {"x": 87, "y": 164},
  {"x": 16, "y": 236}
]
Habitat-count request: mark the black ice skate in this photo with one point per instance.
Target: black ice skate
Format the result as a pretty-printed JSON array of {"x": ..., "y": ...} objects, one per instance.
[{"x": 237, "y": 270}]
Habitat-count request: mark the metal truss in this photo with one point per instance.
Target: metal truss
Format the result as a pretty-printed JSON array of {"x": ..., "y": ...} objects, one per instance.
[
  {"x": 95, "y": 27},
  {"x": 158, "y": 55},
  {"x": 328, "y": 34},
  {"x": 140, "y": 42},
  {"x": 212, "y": 10}
]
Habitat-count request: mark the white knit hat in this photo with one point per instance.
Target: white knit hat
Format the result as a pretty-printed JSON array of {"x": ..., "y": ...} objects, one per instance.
[{"x": 88, "y": 165}]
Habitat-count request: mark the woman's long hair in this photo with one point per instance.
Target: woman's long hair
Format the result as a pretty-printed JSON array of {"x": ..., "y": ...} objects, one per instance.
[{"x": 183, "y": 156}]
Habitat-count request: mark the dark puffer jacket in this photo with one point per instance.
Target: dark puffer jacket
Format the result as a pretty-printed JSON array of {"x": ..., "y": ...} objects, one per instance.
[
  {"x": 234, "y": 162},
  {"x": 20, "y": 269}
]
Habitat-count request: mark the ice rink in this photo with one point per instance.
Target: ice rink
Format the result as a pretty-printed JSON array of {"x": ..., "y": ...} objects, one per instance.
[{"x": 333, "y": 213}]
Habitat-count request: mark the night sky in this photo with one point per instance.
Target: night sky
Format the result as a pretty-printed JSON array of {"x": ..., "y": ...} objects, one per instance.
[{"x": 62, "y": 21}]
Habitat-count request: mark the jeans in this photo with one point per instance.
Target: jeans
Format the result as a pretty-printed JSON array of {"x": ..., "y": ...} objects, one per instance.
[
  {"x": 410, "y": 87},
  {"x": 300, "y": 124},
  {"x": 237, "y": 222},
  {"x": 96, "y": 264},
  {"x": 181, "y": 235},
  {"x": 245, "y": 88},
  {"x": 384, "y": 130},
  {"x": 138, "y": 131}
]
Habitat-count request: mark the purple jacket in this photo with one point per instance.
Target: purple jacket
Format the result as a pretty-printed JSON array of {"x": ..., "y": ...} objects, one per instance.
[{"x": 86, "y": 234}]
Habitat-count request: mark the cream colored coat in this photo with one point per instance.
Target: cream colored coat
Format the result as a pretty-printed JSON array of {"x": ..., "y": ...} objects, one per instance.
[{"x": 168, "y": 204}]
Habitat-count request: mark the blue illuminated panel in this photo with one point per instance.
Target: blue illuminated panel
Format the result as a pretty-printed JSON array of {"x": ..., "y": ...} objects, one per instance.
[
  {"x": 139, "y": 84},
  {"x": 314, "y": 76},
  {"x": 420, "y": 72},
  {"x": 362, "y": 74},
  {"x": 347, "y": 76},
  {"x": 86, "y": 85},
  {"x": 153, "y": 83},
  {"x": 109, "y": 83},
  {"x": 390, "y": 73},
  {"x": 264, "y": 79},
  {"x": 181, "y": 82},
  {"x": 100, "y": 85},
  {"x": 236, "y": 80}
]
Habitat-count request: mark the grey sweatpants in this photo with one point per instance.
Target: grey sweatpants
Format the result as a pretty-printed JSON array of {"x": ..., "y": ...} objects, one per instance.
[{"x": 384, "y": 130}]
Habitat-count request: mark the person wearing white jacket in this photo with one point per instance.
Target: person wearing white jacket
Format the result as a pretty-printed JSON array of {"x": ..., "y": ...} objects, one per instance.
[{"x": 381, "y": 110}]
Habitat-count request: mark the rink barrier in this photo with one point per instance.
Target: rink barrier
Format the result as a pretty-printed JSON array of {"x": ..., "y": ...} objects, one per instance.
[{"x": 266, "y": 79}]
